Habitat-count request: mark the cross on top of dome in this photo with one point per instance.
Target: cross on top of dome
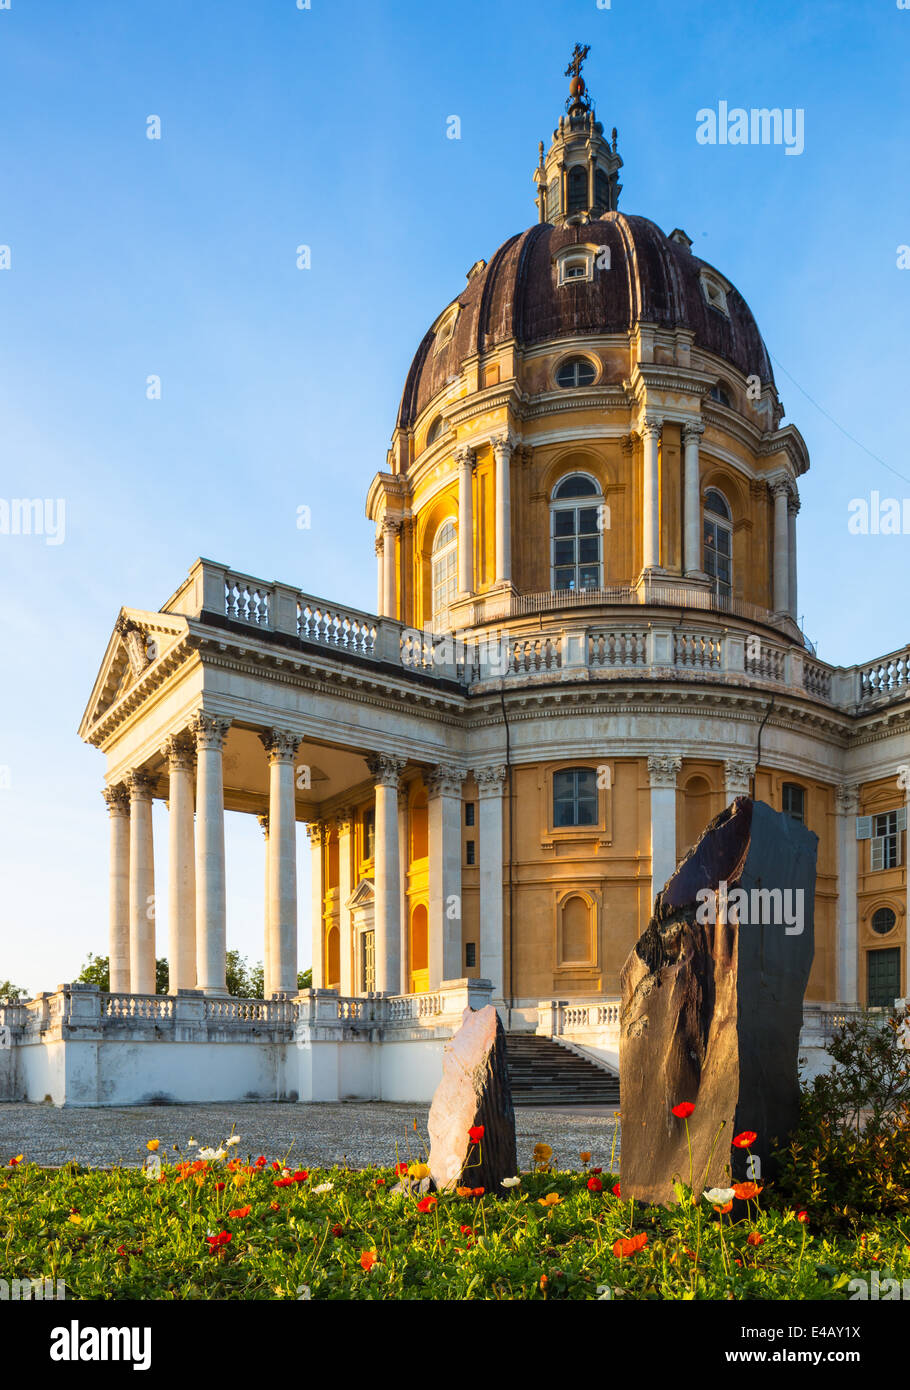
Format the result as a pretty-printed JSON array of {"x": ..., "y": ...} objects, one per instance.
[
  {"x": 578, "y": 179},
  {"x": 578, "y": 101}
]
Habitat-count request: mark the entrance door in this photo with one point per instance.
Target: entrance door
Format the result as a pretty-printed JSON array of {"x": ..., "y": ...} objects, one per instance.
[
  {"x": 883, "y": 977},
  {"x": 368, "y": 961},
  {"x": 419, "y": 972}
]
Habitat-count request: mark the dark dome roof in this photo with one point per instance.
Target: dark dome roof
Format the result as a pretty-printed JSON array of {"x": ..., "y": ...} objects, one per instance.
[{"x": 652, "y": 279}]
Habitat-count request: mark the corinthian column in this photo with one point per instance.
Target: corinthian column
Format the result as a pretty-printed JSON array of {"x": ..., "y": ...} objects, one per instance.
[
  {"x": 781, "y": 493},
  {"x": 118, "y": 804},
  {"x": 344, "y": 824},
  {"x": 502, "y": 453},
  {"x": 390, "y": 530},
  {"x": 282, "y": 747},
  {"x": 444, "y": 850},
  {"x": 181, "y": 912},
  {"x": 316, "y": 832},
  {"x": 650, "y": 433},
  {"x": 792, "y": 510},
  {"x": 692, "y": 559},
  {"x": 738, "y": 774},
  {"x": 211, "y": 909},
  {"x": 662, "y": 773},
  {"x": 142, "y": 885},
  {"x": 847, "y": 798},
  {"x": 268, "y": 987},
  {"x": 490, "y": 782},
  {"x": 380, "y": 581},
  {"x": 464, "y": 457},
  {"x": 385, "y": 772}
]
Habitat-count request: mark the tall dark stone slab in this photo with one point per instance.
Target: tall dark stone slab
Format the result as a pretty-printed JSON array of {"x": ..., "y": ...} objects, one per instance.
[
  {"x": 711, "y": 1012},
  {"x": 474, "y": 1090}
]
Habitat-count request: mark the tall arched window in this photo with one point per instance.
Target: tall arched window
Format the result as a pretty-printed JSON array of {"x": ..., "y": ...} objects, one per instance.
[
  {"x": 576, "y": 559},
  {"x": 718, "y": 533},
  {"x": 435, "y": 431},
  {"x": 445, "y": 564},
  {"x": 578, "y": 188}
]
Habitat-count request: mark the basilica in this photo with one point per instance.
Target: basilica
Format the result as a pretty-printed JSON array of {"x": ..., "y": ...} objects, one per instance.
[{"x": 585, "y": 645}]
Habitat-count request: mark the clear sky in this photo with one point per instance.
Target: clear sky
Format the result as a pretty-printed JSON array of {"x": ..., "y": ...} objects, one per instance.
[{"x": 327, "y": 127}]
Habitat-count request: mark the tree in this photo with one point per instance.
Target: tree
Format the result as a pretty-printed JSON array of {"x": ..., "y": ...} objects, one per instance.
[
  {"x": 305, "y": 979},
  {"x": 96, "y": 971},
  {"x": 12, "y": 992}
]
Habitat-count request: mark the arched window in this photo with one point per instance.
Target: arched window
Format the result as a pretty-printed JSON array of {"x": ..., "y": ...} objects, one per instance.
[
  {"x": 576, "y": 931},
  {"x": 576, "y": 559},
  {"x": 444, "y": 562},
  {"x": 601, "y": 189},
  {"x": 435, "y": 431},
  {"x": 575, "y": 797},
  {"x": 718, "y": 561},
  {"x": 578, "y": 188},
  {"x": 575, "y": 371},
  {"x": 720, "y": 394},
  {"x": 793, "y": 801}
]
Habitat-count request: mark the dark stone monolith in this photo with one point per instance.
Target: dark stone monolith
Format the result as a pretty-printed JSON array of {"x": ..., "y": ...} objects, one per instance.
[
  {"x": 474, "y": 1090},
  {"x": 712, "y": 1006}
]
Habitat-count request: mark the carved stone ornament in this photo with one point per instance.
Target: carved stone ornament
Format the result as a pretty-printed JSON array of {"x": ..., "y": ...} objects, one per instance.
[
  {"x": 118, "y": 799},
  {"x": 180, "y": 752},
  {"x": 445, "y": 779},
  {"x": 663, "y": 769},
  {"x": 385, "y": 770},
  {"x": 209, "y": 730},
  {"x": 490, "y": 779},
  {"x": 280, "y": 744}
]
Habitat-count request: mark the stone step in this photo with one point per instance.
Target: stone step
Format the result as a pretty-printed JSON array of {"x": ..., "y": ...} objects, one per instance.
[{"x": 543, "y": 1072}]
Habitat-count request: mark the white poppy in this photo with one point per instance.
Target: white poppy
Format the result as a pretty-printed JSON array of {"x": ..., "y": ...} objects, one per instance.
[{"x": 719, "y": 1196}]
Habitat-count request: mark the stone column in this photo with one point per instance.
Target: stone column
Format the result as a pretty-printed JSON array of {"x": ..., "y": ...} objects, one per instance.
[
  {"x": 464, "y": 458},
  {"x": 847, "y": 797},
  {"x": 738, "y": 774},
  {"x": 268, "y": 988},
  {"x": 385, "y": 772},
  {"x": 316, "y": 833},
  {"x": 118, "y": 804},
  {"x": 781, "y": 492},
  {"x": 490, "y": 783},
  {"x": 380, "y": 578},
  {"x": 502, "y": 453},
  {"x": 181, "y": 912},
  {"x": 793, "y": 505},
  {"x": 403, "y": 880},
  {"x": 692, "y": 539},
  {"x": 390, "y": 530},
  {"x": 142, "y": 885},
  {"x": 650, "y": 433},
  {"x": 344, "y": 822},
  {"x": 663, "y": 770},
  {"x": 444, "y": 849},
  {"x": 907, "y": 883},
  {"x": 210, "y": 732},
  {"x": 281, "y": 747}
]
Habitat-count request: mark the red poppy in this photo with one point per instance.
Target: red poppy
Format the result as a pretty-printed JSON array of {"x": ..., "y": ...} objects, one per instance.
[
  {"x": 803, "y": 1216},
  {"x": 260, "y": 1161},
  {"x": 595, "y": 1185},
  {"x": 380, "y": 1182},
  {"x": 300, "y": 1176},
  {"x": 337, "y": 1230},
  {"x": 240, "y": 1211},
  {"x": 683, "y": 1110},
  {"x": 282, "y": 1182},
  {"x": 222, "y": 1238},
  {"x": 219, "y": 1186},
  {"x": 616, "y": 1191},
  {"x": 276, "y": 1164},
  {"x": 746, "y": 1139},
  {"x": 596, "y": 1170},
  {"x": 367, "y": 1260},
  {"x": 755, "y": 1239},
  {"x": 426, "y": 1204},
  {"x": 466, "y": 1230},
  {"x": 122, "y": 1251},
  {"x": 401, "y": 1169},
  {"x": 475, "y": 1133},
  {"x": 625, "y": 1247},
  {"x": 477, "y": 1191},
  {"x": 745, "y": 1191}
]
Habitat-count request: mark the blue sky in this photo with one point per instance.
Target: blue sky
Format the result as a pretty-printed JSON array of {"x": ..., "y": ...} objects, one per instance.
[{"x": 279, "y": 387}]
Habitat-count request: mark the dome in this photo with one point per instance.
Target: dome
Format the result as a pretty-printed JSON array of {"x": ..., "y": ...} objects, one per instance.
[{"x": 652, "y": 278}]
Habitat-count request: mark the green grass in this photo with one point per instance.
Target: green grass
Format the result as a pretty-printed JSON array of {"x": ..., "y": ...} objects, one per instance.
[{"x": 118, "y": 1235}]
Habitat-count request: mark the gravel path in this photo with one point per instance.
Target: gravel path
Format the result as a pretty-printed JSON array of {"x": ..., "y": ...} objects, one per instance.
[{"x": 319, "y": 1135}]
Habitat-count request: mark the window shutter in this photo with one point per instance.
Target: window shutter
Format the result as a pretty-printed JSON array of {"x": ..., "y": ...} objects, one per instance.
[
  {"x": 902, "y": 818},
  {"x": 897, "y": 851},
  {"x": 878, "y": 852},
  {"x": 864, "y": 827}
]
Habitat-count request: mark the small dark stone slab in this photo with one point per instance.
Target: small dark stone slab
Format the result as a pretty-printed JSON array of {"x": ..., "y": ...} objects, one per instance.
[
  {"x": 711, "y": 1013},
  {"x": 474, "y": 1090}
]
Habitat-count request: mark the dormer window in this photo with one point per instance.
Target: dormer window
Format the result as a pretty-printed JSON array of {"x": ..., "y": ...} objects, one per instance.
[
  {"x": 715, "y": 288},
  {"x": 574, "y": 372},
  {"x": 445, "y": 326},
  {"x": 720, "y": 394},
  {"x": 576, "y": 264}
]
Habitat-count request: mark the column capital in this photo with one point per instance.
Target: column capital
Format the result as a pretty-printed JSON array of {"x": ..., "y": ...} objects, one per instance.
[
  {"x": 118, "y": 799},
  {"x": 263, "y": 819},
  {"x": 280, "y": 744},
  {"x": 209, "y": 730},
  {"x": 343, "y": 820},
  {"x": 141, "y": 785},
  {"x": 693, "y": 429},
  {"x": 466, "y": 455},
  {"x": 793, "y": 502},
  {"x": 316, "y": 832},
  {"x": 781, "y": 486},
  {"x": 391, "y": 525},
  {"x": 384, "y": 769},
  {"x": 650, "y": 426},
  {"x": 445, "y": 779},
  {"x": 846, "y": 795},
  {"x": 490, "y": 780},
  {"x": 180, "y": 751},
  {"x": 738, "y": 772},
  {"x": 663, "y": 769},
  {"x": 503, "y": 442}
]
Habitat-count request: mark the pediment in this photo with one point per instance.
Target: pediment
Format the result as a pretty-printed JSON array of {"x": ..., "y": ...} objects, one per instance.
[
  {"x": 138, "y": 641},
  {"x": 362, "y": 896}
]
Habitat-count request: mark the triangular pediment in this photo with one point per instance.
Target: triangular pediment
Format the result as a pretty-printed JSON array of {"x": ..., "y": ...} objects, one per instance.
[
  {"x": 138, "y": 641},
  {"x": 362, "y": 896}
]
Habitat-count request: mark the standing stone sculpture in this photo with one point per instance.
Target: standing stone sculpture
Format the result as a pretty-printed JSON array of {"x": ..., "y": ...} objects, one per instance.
[
  {"x": 712, "y": 1005},
  {"x": 474, "y": 1090}
]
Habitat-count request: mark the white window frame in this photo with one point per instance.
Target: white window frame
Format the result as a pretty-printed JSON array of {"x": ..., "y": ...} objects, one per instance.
[
  {"x": 450, "y": 549},
  {"x": 564, "y": 504},
  {"x": 722, "y": 522},
  {"x": 714, "y": 287},
  {"x": 444, "y": 327},
  {"x": 587, "y": 258}
]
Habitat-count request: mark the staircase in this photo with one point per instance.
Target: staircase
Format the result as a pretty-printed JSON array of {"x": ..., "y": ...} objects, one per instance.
[{"x": 544, "y": 1072}]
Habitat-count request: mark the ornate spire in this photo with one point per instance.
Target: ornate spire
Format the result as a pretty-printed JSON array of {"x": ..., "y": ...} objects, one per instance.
[{"x": 577, "y": 180}]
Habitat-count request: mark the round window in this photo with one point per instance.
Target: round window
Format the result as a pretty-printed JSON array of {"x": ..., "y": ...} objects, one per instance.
[
  {"x": 576, "y": 371},
  {"x": 883, "y": 921}
]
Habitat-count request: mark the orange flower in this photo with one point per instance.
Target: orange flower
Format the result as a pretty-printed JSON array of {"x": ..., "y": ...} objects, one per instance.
[
  {"x": 746, "y": 1139},
  {"x": 625, "y": 1247},
  {"x": 477, "y": 1191},
  {"x": 240, "y": 1211},
  {"x": 463, "y": 1191},
  {"x": 585, "y": 1157},
  {"x": 273, "y": 1206},
  {"x": 551, "y": 1199},
  {"x": 755, "y": 1239},
  {"x": 728, "y": 1207},
  {"x": 745, "y": 1191},
  {"x": 367, "y": 1260}
]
